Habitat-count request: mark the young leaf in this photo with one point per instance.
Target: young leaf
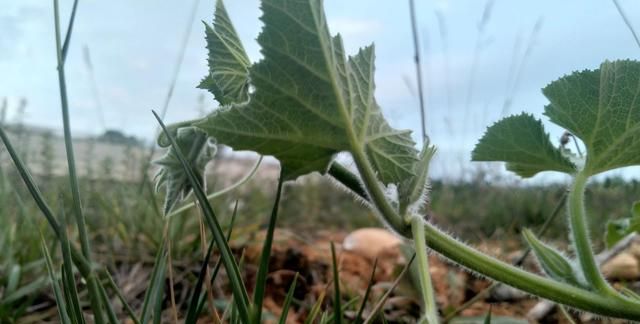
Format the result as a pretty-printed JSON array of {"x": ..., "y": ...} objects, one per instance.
[
  {"x": 554, "y": 264},
  {"x": 522, "y": 142},
  {"x": 228, "y": 78},
  {"x": 198, "y": 152},
  {"x": 619, "y": 228},
  {"x": 616, "y": 230},
  {"x": 601, "y": 108},
  {"x": 309, "y": 102},
  {"x": 412, "y": 191}
]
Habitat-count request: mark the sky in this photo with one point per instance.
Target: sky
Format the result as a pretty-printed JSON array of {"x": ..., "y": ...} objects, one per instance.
[{"x": 477, "y": 56}]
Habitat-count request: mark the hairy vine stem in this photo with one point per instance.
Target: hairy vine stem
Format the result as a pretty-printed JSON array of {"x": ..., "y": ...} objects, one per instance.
[
  {"x": 426, "y": 287},
  {"x": 497, "y": 270},
  {"x": 580, "y": 235}
]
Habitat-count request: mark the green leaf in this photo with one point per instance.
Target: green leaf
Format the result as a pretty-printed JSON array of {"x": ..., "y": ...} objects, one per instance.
[
  {"x": 228, "y": 78},
  {"x": 309, "y": 102},
  {"x": 522, "y": 142},
  {"x": 171, "y": 175},
  {"x": 391, "y": 152},
  {"x": 412, "y": 192},
  {"x": 619, "y": 228},
  {"x": 616, "y": 230},
  {"x": 554, "y": 264},
  {"x": 601, "y": 108}
]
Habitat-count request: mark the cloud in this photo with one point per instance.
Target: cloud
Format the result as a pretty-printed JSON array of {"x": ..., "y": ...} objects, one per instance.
[
  {"x": 14, "y": 23},
  {"x": 11, "y": 32},
  {"x": 355, "y": 28}
]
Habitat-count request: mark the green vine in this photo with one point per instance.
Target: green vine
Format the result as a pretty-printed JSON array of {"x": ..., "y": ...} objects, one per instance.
[{"x": 309, "y": 101}]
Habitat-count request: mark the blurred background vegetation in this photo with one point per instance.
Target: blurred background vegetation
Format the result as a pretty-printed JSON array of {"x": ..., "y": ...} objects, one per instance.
[{"x": 127, "y": 227}]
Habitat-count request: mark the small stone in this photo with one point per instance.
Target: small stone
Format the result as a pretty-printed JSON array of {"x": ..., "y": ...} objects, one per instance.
[
  {"x": 634, "y": 249},
  {"x": 623, "y": 266},
  {"x": 370, "y": 242}
]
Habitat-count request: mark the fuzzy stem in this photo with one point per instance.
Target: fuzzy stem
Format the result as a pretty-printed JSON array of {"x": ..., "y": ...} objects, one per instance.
[
  {"x": 377, "y": 196},
  {"x": 580, "y": 235},
  {"x": 534, "y": 284},
  {"x": 426, "y": 287},
  {"x": 500, "y": 271}
]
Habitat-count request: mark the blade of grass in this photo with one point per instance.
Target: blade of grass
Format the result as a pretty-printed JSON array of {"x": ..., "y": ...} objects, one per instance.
[
  {"x": 287, "y": 301},
  {"x": 234, "y": 314},
  {"x": 209, "y": 286},
  {"x": 233, "y": 272},
  {"x": 324, "y": 319},
  {"x": 31, "y": 184},
  {"x": 627, "y": 22},
  {"x": 214, "y": 274},
  {"x": 13, "y": 277},
  {"x": 195, "y": 305},
  {"x": 92, "y": 284},
  {"x": 112, "y": 284},
  {"x": 416, "y": 59},
  {"x": 111, "y": 315},
  {"x": 67, "y": 37},
  {"x": 366, "y": 293},
  {"x": 157, "y": 302},
  {"x": 157, "y": 272},
  {"x": 487, "y": 318},
  {"x": 24, "y": 291},
  {"x": 57, "y": 291},
  {"x": 263, "y": 266},
  {"x": 70, "y": 286},
  {"x": 315, "y": 310},
  {"x": 337, "y": 298},
  {"x": 94, "y": 86},
  {"x": 227, "y": 310},
  {"x": 172, "y": 294},
  {"x": 376, "y": 309},
  {"x": 192, "y": 310},
  {"x": 73, "y": 179}
]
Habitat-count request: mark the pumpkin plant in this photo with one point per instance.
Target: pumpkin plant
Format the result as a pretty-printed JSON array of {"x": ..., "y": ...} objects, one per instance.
[{"x": 305, "y": 101}]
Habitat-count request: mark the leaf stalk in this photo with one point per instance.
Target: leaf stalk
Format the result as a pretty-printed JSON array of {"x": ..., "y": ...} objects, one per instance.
[
  {"x": 580, "y": 235},
  {"x": 426, "y": 287}
]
